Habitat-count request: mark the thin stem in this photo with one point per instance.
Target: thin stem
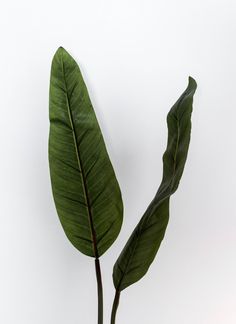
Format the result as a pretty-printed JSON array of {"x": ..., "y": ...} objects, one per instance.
[
  {"x": 115, "y": 306},
  {"x": 100, "y": 291}
]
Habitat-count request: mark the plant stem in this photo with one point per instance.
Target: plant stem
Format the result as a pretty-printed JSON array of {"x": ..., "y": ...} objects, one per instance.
[
  {"x": 100, "y": 291},
  {"x": 115, "y": 306}
]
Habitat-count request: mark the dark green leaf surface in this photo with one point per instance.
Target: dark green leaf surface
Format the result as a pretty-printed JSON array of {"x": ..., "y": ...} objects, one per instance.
[
  {"x": 143, "y": 244},
  {"x": 85, "y": 189}
]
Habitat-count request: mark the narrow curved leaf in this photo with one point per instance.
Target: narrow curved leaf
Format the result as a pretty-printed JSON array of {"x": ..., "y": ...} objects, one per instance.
[
  {"x": 85, "y": 189},
  {"x": 144, "y": 242}
]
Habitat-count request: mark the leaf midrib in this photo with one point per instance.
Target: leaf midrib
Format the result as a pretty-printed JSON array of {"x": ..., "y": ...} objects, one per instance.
[
  {"x": 84, "y": 184},
  {"x": 175, "y": 157}
]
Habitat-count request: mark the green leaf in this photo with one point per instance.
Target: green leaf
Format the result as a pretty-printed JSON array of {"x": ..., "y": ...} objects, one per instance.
[
  {"x": 143, "y": 244},
  {"x": 85, "y": 189}
]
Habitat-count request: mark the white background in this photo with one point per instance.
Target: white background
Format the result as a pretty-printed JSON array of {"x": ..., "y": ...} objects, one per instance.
[{"x": 135, "y": 57}]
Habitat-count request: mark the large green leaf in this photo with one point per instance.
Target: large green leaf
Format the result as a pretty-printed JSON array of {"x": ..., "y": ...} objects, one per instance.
[
  {"x": 85, "y": 189},
  {"x": 146, "y": 238}
]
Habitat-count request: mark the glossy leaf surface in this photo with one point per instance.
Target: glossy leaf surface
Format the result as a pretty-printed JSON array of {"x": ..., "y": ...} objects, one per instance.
[
  {"x": 144, "y": 242},
  {"x": 85, "y": 189}
]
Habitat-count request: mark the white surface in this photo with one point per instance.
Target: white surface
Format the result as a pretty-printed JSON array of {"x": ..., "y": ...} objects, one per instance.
[{"x": 135, "y": 57}]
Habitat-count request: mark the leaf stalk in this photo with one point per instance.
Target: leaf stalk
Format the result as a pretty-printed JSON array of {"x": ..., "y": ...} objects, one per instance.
[
  {"x": 100, "y": 291},
  {"x": 115, "y": 307}
]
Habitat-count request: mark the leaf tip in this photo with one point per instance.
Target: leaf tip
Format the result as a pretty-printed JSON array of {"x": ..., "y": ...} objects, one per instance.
[
  {"x": 192, "y": 82},
  {"x": 60, "y": 50},
  {"x": 61, "y": 55}
]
